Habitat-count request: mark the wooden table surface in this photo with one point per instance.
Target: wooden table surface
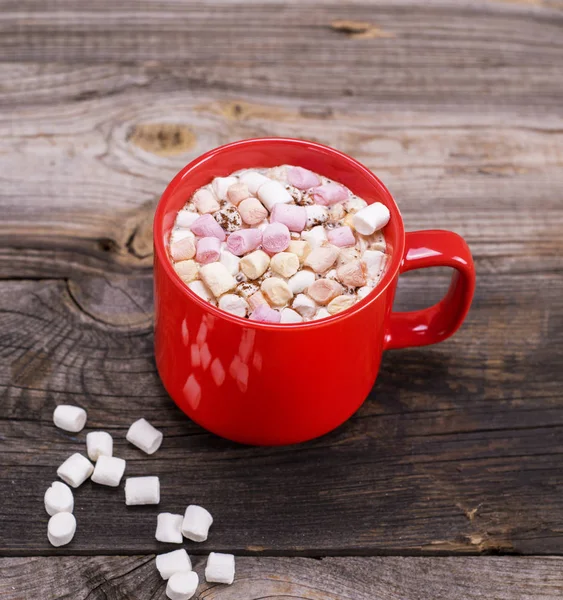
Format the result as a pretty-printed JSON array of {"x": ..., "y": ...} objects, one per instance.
[{"x": 458, "y": 107}]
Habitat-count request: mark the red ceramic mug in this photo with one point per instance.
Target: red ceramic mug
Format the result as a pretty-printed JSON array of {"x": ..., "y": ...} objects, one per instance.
[{"x": 268, "y": 384}]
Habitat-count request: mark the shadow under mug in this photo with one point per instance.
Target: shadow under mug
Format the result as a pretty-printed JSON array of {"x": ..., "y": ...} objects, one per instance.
[{"x": 267, "y": 384}]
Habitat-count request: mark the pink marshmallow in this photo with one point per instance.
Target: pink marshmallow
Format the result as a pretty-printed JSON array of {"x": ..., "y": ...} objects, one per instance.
[
  {"x": 244, "y": 241},
  {"x": 275, "y": 237},
  {"x": 207, "y": 226},
  {"x": 302, "y": 178},
  {"x": 329, "y": 194},
  {"x": 293, "y": 217},
  {"x": 264, "y": 314},
  {"x": 208, "y": 250},
  {"x": 341, "y": 236}
]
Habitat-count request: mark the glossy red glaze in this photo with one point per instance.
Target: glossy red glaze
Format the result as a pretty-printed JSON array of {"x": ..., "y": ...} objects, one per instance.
[{"x": 266, "y": 384}]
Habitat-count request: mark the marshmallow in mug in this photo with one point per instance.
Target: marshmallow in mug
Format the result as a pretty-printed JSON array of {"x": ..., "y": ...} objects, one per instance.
[{"x": 260, "y": 238}]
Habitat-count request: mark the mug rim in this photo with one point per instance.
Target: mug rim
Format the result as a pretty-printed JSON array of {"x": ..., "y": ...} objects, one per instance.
[{"x": 161, "y": 254}]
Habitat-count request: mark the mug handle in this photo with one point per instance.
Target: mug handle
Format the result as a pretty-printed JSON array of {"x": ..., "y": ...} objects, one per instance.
[{"x": 434, "y": 248}]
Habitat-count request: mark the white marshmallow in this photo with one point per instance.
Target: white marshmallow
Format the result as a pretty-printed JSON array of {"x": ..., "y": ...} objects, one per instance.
[
  {"x": 301, "y": 281},
  {"x": 196, "y": 524},
  {"x": 316, "y": 215},
  {"x": 304, "y": 305},
  {"x": 75, "y": 470},
  {"x": 290, "y": 316},
  {"x": 363, "y": 291},
  {"x": 321, "y": 314},
  {"x": 69, "y": 418},
  {"x": 272, "y": 193},
  {"x": 255, "y": 264},
  {"x": 61, "y": 528},
  {"x": 354, "y": 204},
  {"x": 220, "y": 568},
  {"x": 58, "y": 498},
  {"x": 285, "y": 264},
  {"x": 230, "y": 261},
  {"x": 316, "y": 236},
  {"x": 169, "y": 528},
  {"x": 187, "y": 270},
  {"x": 143, "y": 435},
  {"x": 217, "y": 278},
  {"x": 300, "y": 248},
  {"x": 276, "y": 291},
  {"x": 233, "y": 304},
  {"x": 109, "y": 471},
  {"x": 98, "y": 443},
  {"x": 253, "y": 180},
  {"x": 176, "y": 561},
  {"x": 374, "y": 261},
  {"x": 142, "y": 490},
  {"x": 182, "y": 586},
  {"x": 220, "y": 186},
  {"x": 370, "y": 219},
  {"x": 199, "y": 288},
  {"x": 185, "y": 218},
  {"x": 181, "y": 234},
  {"x": 340, "y": 303}
]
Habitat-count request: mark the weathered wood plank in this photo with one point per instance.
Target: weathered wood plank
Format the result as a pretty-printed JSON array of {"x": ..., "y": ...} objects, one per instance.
[
  {"x": 457, "y": 449},
  {"x": 80, "y": 181},
  {"x": 384, "y": 578}
]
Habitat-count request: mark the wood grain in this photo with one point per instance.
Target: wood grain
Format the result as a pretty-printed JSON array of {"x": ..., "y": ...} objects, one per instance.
[
  {"x": 384, "y": 578},
  {"x": 457, "y": 449}
]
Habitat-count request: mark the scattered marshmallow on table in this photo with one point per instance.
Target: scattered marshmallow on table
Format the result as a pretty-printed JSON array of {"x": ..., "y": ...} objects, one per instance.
[
  {"x": 220, "y": 568},
  {"x": 196, "y": 523},
  {"x": 75, "y": 470},
  {"x": 142, "y": 490},
  {"x": 61, "y": 529},
  {"x": 182, "y": 586},
  {"x": 169, "y": 528},
  {"x": 176, "y": 561},
  {"x": 98, "y": 443},
  {"x": 70, "y": 418},
  {"x": 143, "y": 435},
  {"x": 108, "y": 471},
  {"x": 371, "y": 218},
  {"x": 58, "y": 498}
]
